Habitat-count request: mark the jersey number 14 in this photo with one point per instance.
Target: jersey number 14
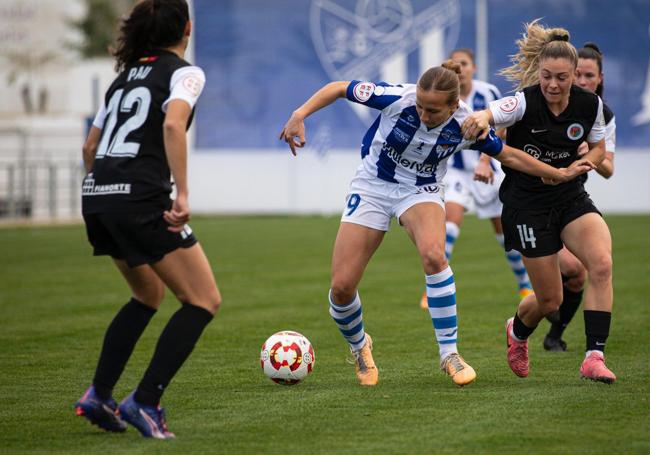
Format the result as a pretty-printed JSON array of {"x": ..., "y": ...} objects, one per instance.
[
  {"x": 136, "y": 102},
  {"x": 526, "y": 234}
]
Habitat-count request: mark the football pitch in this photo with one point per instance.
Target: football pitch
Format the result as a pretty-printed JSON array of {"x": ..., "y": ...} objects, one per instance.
[{"x": 56, "y": 300}]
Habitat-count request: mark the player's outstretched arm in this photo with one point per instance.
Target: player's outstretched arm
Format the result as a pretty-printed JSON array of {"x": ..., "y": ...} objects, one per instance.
[
  {"x": 295, "y": 126},
  {"x": 523, "y": 162}
]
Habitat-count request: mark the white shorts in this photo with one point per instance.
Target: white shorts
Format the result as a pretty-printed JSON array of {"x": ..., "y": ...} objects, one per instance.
[
  {"x": 461, "y": 188},
  {"x": 372, "y": 202}
]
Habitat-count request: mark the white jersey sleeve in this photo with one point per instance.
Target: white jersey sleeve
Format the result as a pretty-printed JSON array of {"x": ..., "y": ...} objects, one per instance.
[
  {"x": 185, "y": 84},
  {"x": 378, "y": 95},
  {"x": 598, "y": 129},
  {"x": 509, "y": 110},
  {"x": 98, "y": 122},
  {"x": 610, "y": 135}
]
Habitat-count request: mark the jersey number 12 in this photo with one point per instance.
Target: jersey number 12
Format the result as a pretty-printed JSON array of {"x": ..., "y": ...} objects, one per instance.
[{"x": 136, "y": 102}]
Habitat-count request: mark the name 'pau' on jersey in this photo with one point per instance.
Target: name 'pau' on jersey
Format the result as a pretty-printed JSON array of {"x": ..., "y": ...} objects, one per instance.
[
  {"x": 478, "y": 99},
  {"x": 398, "y": 148},
  {"x": 533, "y": 128},
  {"x": 130, "y": 171}
]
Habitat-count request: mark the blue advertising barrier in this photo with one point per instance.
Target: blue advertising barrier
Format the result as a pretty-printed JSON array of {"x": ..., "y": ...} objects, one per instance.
[{"x": 262, "y": 59}]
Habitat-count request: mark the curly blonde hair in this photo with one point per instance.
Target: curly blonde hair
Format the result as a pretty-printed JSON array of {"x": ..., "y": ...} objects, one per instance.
[
  {"x": 536, "y": 45},
  {"x": 443, "y": 78}
]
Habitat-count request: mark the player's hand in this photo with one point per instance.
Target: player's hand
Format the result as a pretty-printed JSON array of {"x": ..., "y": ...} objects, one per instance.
[
  {"x": 483, "y": 173},
  {"x": 476, "y": 126},
  {"x": 576, "y": 168},
  {"x": 179, "y": 214},
  {"x": 583, "y": 149},
  {"x": 294, "y": 128}
]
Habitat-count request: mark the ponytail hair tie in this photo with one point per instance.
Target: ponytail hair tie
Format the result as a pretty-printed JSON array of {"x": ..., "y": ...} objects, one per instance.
[{"x": 557, "y": 37}]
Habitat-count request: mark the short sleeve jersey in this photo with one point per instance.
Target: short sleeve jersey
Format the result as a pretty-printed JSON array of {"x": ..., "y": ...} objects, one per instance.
[
  {"x": 533, "y": 128},
  {"x": 398, "y": 148},
  {"x": 478, "y": 99},
  {"x": 610, "y": 129},
  {"x": 130, "y": 171}
]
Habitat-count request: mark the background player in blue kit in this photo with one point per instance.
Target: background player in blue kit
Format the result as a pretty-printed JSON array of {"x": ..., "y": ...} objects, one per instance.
[
  {"x": 404, "y": 158},
  {"x": 589, "y": 76},
  {"x": 137, "y": 139},
  {"x": 549, "y": 118},
  {"x": 473, "y": 179}
]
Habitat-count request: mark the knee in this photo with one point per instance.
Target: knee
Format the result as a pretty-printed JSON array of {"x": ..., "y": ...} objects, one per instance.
[
  {"x": 577, "y": 282},
  {"x": 549, "y": 302},
  {"x": 151, "y": 295},
  {"x": 600, "y": 271},
  {"x": 434, "y": 259},
  {"x": 209, "y": 300},
  {"x": 343, "y": 292}
]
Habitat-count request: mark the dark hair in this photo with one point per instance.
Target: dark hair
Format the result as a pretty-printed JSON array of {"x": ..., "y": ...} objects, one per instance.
[
  {"x": 443, "y": 78},
  {"x": 463, "y": 50},
  {"x": 152, "y": 24},
  {"x": 591, "y": 51}
]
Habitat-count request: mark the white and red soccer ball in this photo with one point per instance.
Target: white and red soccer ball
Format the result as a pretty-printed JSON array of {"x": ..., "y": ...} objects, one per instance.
[{"x": 287, "y": 357}]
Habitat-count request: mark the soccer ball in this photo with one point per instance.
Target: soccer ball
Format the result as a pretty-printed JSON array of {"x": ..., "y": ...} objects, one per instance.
[{"x": 287, "y": 357}]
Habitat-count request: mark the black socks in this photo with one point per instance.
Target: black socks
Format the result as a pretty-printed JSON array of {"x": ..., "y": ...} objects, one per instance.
[
  {"x": 120, "y": 339},
  {"x": 597, "y": 329},
  {"x": 521, "y": 330},
  {"x": 570, "y": 304},
  {"x": 174, "y": 346}
]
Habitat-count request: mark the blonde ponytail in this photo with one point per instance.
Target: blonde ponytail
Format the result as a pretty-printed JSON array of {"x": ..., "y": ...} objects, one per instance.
[{"x": 537, "y": 44}]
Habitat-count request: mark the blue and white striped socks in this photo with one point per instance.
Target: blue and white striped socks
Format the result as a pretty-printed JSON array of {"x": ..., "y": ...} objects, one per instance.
[
  {"x": 517, "y": 265},
  {"x": 441, "y": 297},
  {"x": 452, "y": 233},
  {"x": 349, "y": 320}
]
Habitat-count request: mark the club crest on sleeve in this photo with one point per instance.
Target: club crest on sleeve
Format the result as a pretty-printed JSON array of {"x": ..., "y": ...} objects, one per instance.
[
  {"x": 193, "y": 84},
  {"x": 509, "y": 104},
  {"x": 575, "y": 131},
  {"x": 363, "y": 91}
]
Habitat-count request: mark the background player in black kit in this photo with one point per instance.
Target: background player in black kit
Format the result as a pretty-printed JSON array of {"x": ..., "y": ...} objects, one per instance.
[
  {"x": 549, "y": 119},
  {"x": 138, "y": 138},
  {"x": 589, "y": 76}
]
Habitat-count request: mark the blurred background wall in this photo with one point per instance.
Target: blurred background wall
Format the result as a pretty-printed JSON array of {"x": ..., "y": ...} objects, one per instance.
[{"x": 262, "y": 60}]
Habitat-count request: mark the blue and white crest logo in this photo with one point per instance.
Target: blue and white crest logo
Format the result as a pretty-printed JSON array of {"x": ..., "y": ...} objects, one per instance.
[{"x": 374, "y": 39}]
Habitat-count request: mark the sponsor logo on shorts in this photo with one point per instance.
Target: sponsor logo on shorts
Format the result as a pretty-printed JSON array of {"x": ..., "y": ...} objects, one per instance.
[
  {"x": 363, "y": 91},
  {"x": 431, "y": 189},
  {"x": 575, "y": 131}
]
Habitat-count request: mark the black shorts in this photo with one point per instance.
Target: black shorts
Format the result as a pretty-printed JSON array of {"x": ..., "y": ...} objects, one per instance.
[
  {"x": 536, "y": 232},
  {"x": 137, "y": 238}
]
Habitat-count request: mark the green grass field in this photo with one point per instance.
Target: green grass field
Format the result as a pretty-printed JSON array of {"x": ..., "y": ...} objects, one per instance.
[{"x": 56, "y": 301}]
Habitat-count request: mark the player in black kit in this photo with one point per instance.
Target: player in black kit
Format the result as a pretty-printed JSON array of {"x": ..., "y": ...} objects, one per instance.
[
  {"x": 549, "y": 118},
  {"x": 589, "y": 76},
  {"x": 137, "y": 140}
]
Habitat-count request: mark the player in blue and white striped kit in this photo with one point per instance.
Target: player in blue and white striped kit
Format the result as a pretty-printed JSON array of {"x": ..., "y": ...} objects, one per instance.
[
  {"x": 473, "y": 179},
  {"x": 405, "y": 154}
]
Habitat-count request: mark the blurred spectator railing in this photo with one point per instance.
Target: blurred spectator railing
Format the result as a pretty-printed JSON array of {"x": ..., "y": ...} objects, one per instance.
[{"x": 40, "y": 174}]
